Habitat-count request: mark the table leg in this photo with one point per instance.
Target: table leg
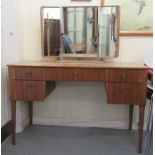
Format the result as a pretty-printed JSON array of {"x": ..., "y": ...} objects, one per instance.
[
  {"x": 141, "y": 123},
  {"x": 130, "y": 116},
  {"x": 30, "y": 112},
  {"x": 13, "y": 121}
]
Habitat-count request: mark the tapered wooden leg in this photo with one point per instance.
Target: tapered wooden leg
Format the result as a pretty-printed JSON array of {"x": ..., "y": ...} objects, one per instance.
[
  {"x": 141, "y": 123},
  {"x": 30, "y": 112},
  {"x": 13, "y": 121},
  {"x": 130, "y": 116}
]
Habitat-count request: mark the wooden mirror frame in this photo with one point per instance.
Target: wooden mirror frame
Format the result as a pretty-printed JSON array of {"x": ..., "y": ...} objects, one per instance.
[
  {"x": 78, "y": 56},
  {"x": 62, "y": 55}
]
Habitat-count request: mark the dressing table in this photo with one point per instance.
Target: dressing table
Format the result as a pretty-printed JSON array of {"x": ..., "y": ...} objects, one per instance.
[
  {"x": 33, "y": 81},
  {"x": 96, "y": 30}
]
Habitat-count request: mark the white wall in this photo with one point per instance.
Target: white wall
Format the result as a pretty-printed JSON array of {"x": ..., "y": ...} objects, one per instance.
[
  {"x": 10, "y": 53},
  {"x": 75, "y": 103},
  {"x": 8, "y": 45}
]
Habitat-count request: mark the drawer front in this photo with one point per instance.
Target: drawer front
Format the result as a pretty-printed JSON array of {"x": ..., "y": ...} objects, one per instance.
[
  {"x": 123, "y": 93},
  {"x": 123, "y": 75},
  {"x": 28, "y": 73},
  {"x": 75, "y": 74},
  {"x": 29, "y": 90}
]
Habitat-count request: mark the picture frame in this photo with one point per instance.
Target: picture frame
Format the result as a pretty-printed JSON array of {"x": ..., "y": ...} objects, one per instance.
[{"x": 142, "y": 19}]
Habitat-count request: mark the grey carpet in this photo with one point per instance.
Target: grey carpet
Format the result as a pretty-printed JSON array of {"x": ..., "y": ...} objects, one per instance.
[{"x": 54, "y": 140}]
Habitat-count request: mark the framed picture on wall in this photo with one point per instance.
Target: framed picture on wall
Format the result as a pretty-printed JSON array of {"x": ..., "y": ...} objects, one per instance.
[{"x": 136, "y": 16}]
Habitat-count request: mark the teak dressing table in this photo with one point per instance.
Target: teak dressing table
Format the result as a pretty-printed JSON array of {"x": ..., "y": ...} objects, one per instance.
[{"x": 33, "y": 81}]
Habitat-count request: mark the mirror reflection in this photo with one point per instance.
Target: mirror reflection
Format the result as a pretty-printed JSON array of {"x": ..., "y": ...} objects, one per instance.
[
  {"x": 108, "y": 31},
  {"x": 51, "y": 31},
  {"x": 80, "y": 30}
]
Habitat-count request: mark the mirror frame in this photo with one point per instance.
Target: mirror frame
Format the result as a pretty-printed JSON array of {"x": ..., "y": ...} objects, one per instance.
[{"x": 62, "y": 55}]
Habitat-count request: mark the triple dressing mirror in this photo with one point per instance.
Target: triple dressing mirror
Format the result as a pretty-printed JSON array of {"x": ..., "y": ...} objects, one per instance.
[{"x": 80, "y": 32}]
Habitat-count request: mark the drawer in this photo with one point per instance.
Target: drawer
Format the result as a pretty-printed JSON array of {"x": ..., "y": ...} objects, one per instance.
[
  {"x": 29, "y": 90},
  {"x": 75, "y": 74},
  {"x": 123, "y": 93},
  {"x": 28, "y": 73},
  {"x": 123, "y": 75}
]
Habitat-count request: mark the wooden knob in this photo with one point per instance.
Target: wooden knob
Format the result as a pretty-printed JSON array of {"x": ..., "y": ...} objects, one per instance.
[
  {"x": 124, "y": 91},
  {"x": 124, "y": 76}
]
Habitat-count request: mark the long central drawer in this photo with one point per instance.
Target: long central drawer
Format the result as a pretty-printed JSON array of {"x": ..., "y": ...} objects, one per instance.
[{"x": 76, "y": 74}]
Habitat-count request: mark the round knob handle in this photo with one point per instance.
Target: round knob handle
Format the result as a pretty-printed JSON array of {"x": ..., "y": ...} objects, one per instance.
[
  {"x": 124, "y": 91},
  {"x": 124, "y": 76}
]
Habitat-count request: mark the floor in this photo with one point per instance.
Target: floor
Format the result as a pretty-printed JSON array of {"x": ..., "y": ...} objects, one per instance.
[{"x": 55, "y": 140}]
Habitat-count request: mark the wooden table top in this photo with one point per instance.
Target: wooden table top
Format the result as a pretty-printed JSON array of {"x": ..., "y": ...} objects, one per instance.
[{"x": 79, "y": 64}]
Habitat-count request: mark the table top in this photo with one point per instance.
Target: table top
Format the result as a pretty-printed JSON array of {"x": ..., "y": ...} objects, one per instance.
[{"x": 80, "y": 64}]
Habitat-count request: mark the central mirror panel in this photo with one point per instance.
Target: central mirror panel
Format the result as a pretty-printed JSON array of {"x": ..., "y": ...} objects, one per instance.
[{"x": 80, "y": 31}]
